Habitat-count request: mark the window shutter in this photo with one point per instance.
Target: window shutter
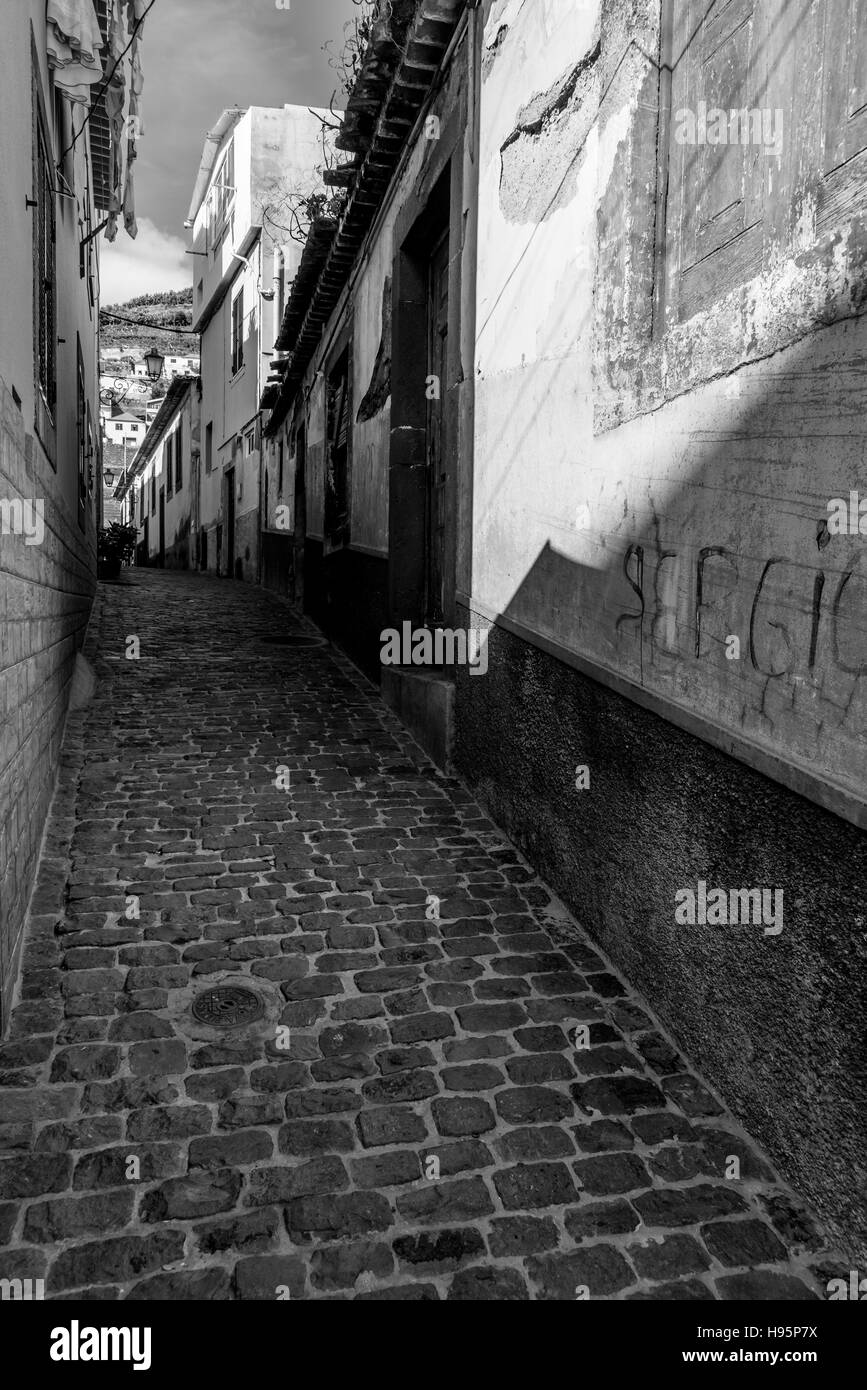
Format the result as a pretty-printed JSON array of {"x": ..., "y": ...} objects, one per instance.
[
  {"x": 843, "y": 191},
  {"x": 45, "y": 273},
  {"x": 343, "y": 419},
  {"x": 714, "y": 223},
  {"x": 845, "y": 82}
]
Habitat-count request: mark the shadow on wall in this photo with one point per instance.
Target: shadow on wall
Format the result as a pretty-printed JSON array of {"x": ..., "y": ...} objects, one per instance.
[{"x": 774, "y": 1021}]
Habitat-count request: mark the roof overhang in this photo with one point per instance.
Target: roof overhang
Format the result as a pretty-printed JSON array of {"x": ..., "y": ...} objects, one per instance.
[
  {"x": 213, "y": 140},
  {"x": 398, "y": 73}
]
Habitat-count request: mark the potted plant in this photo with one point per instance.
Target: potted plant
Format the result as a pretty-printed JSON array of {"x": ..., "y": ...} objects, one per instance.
[{"x": 115, "y": 546}]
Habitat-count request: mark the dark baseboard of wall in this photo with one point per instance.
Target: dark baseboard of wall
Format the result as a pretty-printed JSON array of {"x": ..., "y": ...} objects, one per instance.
[{"x": 774, "y": 1022}]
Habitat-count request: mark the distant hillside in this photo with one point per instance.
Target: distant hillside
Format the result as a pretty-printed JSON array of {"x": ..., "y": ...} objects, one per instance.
[{"x": 171, "y": 307}]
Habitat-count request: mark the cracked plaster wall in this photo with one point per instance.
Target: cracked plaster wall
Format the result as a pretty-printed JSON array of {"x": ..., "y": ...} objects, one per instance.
[
  {"x": 635, "y": 502},
  {"x": 636, "y": 508}
]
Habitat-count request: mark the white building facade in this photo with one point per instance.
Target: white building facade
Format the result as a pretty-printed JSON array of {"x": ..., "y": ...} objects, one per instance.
[{"x": 257, "y": 165}]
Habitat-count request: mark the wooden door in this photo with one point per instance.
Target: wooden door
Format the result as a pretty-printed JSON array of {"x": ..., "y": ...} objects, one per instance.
[
  {"x": 300, "y": 534},
  {"x": 230, "y": 522}
]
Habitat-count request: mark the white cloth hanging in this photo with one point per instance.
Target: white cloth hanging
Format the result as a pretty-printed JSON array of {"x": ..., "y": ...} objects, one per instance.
[{"x": 73, "y": 44}]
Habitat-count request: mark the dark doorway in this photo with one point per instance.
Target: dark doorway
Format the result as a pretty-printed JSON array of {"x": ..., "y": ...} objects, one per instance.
[
  {"x": 437, "y": 475},
  {"x": 162, "y": 556},
  {"x": 338, "y": 440},
  {"x": 230, "y": 521},
  {"x": 424, "y": 353},
  {"x": 300, "y": 535}
]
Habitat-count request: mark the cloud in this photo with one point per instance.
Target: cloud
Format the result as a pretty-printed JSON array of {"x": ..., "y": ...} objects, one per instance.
[
  {"x": 201, "y": 56},
  {"x": 154, "y": 261}
]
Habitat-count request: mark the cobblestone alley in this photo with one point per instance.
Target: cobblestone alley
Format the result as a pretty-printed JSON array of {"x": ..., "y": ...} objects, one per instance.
[{"x": 447, "y": 1092}]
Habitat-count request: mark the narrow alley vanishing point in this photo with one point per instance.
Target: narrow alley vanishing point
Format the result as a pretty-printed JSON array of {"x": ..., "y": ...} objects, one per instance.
[{"x": 447, "y": 1094}]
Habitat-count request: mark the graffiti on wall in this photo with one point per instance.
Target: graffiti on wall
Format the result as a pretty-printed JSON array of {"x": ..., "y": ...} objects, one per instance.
[{"x": 790, "y": 632}]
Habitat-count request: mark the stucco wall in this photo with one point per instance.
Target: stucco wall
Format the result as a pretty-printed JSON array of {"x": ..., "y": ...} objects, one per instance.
[
  {"x": 638, "y": 499},
  {"x": 277, "y": 153},
  {"x": 641, "y": 499},
  {"x": 776, "y": 1023}
]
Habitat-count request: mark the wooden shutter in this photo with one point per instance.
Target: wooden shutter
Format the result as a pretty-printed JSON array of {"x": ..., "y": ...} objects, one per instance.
[
  {"x": 44, "y": 271},
  {"x": 846, "y": 81},
  {"x": 843, "y": 192},
  {"x": 81, "y": 431},
  {"x": 716, "y": 191}
]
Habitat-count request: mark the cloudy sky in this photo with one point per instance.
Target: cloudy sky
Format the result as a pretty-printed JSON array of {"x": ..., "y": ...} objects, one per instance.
[{"x": 200, "y": 56}]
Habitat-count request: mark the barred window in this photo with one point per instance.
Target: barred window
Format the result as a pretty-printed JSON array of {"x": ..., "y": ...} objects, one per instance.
[
  {"x": 179, "y": 471},
  {"x": 44, "y": 281},
  {"x": 81, "y": 432}
]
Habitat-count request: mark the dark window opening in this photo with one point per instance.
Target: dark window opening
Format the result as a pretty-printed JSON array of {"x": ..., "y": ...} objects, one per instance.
[
  {"x": 238, "y": 332},
  {"x": 337, "y": 443},
  {"x": 81, "y": 433},
  {"x": 179, "y": 469},
  {"x": 44, "y": 282}
]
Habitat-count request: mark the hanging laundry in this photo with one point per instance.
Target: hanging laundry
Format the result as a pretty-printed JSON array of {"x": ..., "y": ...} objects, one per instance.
[
  {"x": 73, "y": 44},
  {"x": 134, "y": 123},
  {"x": 136, "y": 10},
  {"x": 115, "y": 102},
  {"x": 75, "y": 24},
  {"x": 129, "y": 220},
  {"x": 122, "y": 98},
  {"x": 116, "y": 30},
  {"x": 123, "y": 126}
]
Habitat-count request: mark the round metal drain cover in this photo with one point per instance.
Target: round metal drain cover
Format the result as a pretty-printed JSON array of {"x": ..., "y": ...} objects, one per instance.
[
  {"x": 228, "y": 1006},
  {"x": 294, "y": 639}
]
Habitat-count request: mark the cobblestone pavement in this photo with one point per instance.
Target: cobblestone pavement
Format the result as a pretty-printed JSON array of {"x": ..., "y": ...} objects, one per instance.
[{"x": 415, "y": 1115}]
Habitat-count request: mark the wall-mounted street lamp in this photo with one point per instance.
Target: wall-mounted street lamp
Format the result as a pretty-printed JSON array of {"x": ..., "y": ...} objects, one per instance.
[{"x": 154, "y": 361}]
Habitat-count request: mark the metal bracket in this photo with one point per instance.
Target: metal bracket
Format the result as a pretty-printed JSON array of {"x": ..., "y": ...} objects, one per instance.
[{"x": 84, "y": 240}]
